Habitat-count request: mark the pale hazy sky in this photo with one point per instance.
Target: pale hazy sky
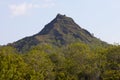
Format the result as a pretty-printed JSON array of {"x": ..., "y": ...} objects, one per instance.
[{"x": 21, "y": 18}]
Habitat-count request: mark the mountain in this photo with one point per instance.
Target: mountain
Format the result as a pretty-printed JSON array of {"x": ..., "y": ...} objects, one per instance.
[{"x": 59, "y": 32}]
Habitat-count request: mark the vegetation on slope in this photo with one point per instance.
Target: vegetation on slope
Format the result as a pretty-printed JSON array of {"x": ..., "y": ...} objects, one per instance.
[
  {"x": 76, "y": 61},
  {"x": 60, "y": 31}
]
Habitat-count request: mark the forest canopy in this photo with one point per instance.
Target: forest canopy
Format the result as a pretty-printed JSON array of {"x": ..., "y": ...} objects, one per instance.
[{"x": 76, "y": 61}]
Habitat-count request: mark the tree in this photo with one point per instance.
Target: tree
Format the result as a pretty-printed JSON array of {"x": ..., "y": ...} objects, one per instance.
[
  {"x": 112, "y": 70},
  {"x": 12, "y": 66},
  {"x": 39, "y": 61}
]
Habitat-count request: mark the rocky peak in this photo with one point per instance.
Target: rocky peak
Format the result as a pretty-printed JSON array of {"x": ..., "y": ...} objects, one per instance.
[
  {"x": 62, "y": 30},
  {"x": 59, "y": 22},
  {"x": 60, "y": 16}
]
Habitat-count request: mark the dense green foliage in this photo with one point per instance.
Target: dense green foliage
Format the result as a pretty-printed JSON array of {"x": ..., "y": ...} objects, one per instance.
[{"x": 73, "y": 62}]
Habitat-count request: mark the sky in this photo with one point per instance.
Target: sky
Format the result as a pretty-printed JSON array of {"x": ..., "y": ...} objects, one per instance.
[{"x": 22, "y": 18}]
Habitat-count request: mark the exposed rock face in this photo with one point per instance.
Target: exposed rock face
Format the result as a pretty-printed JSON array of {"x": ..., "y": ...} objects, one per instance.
[{"x": 60, "y": 31}]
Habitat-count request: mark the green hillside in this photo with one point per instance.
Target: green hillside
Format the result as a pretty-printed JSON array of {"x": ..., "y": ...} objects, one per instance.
[
  {"x": 73, "y": 62},
  {"x": 62, "y": 50},
  {"x": 61, "y": 31}
]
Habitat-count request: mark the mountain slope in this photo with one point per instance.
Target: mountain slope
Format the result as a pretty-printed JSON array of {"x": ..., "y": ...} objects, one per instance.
[{"x": 60, "y": 31}]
